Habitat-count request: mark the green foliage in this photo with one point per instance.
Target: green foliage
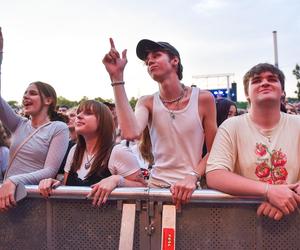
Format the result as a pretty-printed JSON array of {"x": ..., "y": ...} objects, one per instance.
[
  {"x": 292, "y": 99},
  {"x": 242, "y": 105},
  {"x": 99, "y": 99},
  {"x": 296, "y": 72},
  {"x": 133, "y": 102},
  {"x": 14, "y": 104},
  {"x": 64, "y": 101}
]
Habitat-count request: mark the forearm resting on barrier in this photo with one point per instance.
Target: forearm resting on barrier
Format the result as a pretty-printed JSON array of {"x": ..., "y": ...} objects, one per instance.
[{"x": 281, "y": 196}]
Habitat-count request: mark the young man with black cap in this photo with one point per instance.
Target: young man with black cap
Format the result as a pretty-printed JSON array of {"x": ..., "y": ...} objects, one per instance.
[{"x": 179, "y": 118}]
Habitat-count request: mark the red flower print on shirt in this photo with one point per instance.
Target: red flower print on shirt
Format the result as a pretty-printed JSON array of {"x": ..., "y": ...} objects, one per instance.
[
  {"x": 262, "y": 170},
  {"x": 278, "y": 158},
  {"x": 280, "y": 173},
  {"x": 261, "y": 149},
  {"x": 271, "y": 165}
]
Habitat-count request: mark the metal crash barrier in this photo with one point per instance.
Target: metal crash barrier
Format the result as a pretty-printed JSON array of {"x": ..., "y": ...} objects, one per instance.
[{"x": 212, "y": 220}]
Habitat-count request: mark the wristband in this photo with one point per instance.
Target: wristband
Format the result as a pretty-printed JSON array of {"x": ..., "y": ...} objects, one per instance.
[
  {"x": 121, "y": 181},
  {"x": 117, "y": 83},
  {"x": 198, "y": 176},
  {"x": 266, "y": 190},
  {"x": 194, "y": 173}
]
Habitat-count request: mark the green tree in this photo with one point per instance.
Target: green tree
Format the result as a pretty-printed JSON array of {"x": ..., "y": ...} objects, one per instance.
[
  {"x": 64, "y": 101},
  {"x": 296, "y": 72},
  {"x": 133, "y": 102},
  {"x": 14, "y": 104},
  {"x": 100, "y": 99},
  {"x": 242, "y": 105}
]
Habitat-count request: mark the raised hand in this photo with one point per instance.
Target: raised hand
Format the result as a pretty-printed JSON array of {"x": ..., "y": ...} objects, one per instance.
[{"x": 115, "y": 64}]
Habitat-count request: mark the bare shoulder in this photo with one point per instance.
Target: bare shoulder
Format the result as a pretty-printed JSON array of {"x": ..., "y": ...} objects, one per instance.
[
  {"x": 146, "y": 101},
  {"x": 206, "y": 98}
]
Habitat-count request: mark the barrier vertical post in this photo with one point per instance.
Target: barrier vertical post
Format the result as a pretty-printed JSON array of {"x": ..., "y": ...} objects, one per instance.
[
  {"x": 168, "y": 227},
  {"x": 127, "y": 227}
]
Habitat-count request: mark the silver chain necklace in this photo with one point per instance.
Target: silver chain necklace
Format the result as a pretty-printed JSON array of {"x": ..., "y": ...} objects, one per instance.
[
  {"x": 88, "y": 164},
  {"x": 177, "y": 100}
]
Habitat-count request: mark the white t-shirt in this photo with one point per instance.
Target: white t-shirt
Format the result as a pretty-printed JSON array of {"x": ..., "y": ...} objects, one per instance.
[
  {"x": 271, "y": 156},
  {"x": 121, "y": 162}
]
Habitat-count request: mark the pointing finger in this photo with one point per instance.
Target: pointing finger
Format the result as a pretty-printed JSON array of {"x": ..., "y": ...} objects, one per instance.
[{"x": 112, "y": 44}]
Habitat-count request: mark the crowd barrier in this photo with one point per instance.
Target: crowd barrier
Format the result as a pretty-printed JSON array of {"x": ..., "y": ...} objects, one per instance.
[{"x": 143, "y": 218}]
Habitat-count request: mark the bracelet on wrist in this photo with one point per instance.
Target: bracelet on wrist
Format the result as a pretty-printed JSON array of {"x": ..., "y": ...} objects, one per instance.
[
  {"x": 117, "y": 83},
  {"x": 121, "y": 181},
  {"x": 266, "y": 190},
  {"x": 198, "y": 178}
]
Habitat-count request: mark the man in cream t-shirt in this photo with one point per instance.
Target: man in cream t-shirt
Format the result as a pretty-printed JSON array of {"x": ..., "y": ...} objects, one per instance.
[{"x": 258, "y": 154}]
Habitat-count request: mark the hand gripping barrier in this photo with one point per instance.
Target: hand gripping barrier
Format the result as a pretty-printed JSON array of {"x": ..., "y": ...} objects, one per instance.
[{"x": 212, "y": 220}]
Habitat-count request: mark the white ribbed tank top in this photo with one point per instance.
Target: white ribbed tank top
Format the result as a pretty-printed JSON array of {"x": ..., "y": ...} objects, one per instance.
[{"x": 176, "y": 143}]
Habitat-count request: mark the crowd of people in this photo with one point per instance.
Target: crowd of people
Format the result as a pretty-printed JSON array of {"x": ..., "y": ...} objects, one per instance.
[{"x": 172, "y": 139}]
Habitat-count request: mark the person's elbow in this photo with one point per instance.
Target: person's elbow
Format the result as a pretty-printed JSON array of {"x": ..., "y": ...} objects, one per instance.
[
  {"x": 130, "y": 135},
  {"x": 213, "y": 179}
]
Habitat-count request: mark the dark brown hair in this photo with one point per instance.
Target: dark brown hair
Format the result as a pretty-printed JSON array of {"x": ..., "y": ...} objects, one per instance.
[
  {"x": 105, "y": 141},
  {"x": 48, "y": 91},
  {"x": 260, "y": 68},
  {"x": 223, "y": 106}
]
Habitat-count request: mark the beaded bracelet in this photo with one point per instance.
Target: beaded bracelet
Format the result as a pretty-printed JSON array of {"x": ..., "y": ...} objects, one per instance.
[{"x": 117, "y": 83}]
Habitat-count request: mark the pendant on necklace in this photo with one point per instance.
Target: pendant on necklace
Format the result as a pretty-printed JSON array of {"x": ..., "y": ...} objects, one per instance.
[
  {"x": 87, "y": 165},
  {"x": 172, "y": 115}
]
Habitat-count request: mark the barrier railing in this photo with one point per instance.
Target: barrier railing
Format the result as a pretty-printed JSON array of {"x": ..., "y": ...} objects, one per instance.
[{"x": 212, "y": 220}]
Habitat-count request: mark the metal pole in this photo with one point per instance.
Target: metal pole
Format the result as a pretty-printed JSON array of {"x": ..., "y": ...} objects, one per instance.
[
  {"x": 228, "y": 88},
  {"x": 275, "y": 48}
]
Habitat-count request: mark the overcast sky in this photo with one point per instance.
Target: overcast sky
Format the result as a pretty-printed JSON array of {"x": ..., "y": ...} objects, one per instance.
[{"x": 62, "y": 42}]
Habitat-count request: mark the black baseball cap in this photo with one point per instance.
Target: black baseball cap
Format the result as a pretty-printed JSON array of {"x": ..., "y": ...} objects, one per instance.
[{"x": 145, "y": 46}]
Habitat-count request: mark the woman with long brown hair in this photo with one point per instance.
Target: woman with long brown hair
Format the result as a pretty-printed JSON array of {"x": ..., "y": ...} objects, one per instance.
[
  {"x": 95, "y": 160},
  {"x": 38, "y": 144}
]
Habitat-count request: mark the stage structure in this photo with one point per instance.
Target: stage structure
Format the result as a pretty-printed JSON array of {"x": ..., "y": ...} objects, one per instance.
[{"x": 228, "y": 92}]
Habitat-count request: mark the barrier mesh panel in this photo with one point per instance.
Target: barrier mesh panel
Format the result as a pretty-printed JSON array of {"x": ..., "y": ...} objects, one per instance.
[
  {"x": 75, "y": 224},
  {"x": 283, "y": 234},
  {"x": 24, "y": 227},
  {"x": 201, "y": 226},
  {"x": 78, "y": 225},
  {"x": 214, "y": 227}
]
